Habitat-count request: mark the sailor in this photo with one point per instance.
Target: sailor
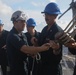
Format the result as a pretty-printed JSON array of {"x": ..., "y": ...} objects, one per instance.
[
  {"x": 31, "y": 32},
  {"x": 50, "y": 60},
  {"x": 17, "y": 45},
  {"x": 3, "y": 50}
]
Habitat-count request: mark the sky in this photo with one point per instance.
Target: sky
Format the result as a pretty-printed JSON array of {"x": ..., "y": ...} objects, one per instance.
[{"x": 33, "y": 9}]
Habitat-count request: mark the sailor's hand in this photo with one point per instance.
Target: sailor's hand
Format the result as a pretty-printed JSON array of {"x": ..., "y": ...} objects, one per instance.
[
  {"x": 46, "y": 46},
  {"x": 54, "y": 45}
]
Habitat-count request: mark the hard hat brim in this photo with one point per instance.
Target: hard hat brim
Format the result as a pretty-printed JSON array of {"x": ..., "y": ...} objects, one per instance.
[
  {"x": 56, "y": 13},
  {"x": 31, "y": 25}
]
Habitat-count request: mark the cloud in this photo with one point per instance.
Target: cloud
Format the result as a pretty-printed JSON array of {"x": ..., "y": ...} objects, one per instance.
[
  {"x": 38, "y": 4},
  {"x": 52, "y": 0},
  {"x": 17, "y": 0},
  {"x": 5, "y": 9},
  {"x": 34, "y": 3},
  {"x": 35, "y": 14},
  {"x": 5, "y": 15},
  {"x": 13, "y": 1}
]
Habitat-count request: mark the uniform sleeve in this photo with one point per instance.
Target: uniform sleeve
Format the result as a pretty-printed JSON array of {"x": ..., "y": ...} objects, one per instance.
[
  {"x": 72, "y": 50},
  {"x": 17, "y": 42},
  {"x": 59, "y": 56}
]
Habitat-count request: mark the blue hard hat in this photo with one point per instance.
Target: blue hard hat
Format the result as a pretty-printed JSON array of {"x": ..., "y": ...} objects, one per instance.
[
  {"x": 31, "y": 22},
  {"x": 1, "y": 23},
  {"x": 52, "y": 8}
]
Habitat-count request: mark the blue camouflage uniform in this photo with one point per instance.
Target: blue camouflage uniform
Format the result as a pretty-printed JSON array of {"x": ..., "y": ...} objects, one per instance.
[
  {"x": 49, "y": 63},
  {"x": 30, "y": 59},
  {"x": 3, "y": 52},
  {"x": 16, "y": 58}
]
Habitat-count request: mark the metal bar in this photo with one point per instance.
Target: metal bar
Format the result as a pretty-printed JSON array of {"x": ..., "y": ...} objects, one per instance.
[
  {"x": 73, "y": 33},
  {"x": 71, "y": 26},
  {"x": 70, "y": 23},
  {"x": 64, "y": 12}
]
